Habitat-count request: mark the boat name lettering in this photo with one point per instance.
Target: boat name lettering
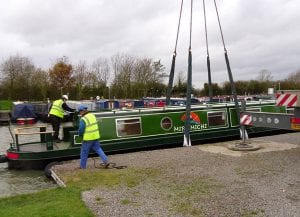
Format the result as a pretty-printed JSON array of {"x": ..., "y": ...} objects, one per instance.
[{"x": 193, "y": 127}]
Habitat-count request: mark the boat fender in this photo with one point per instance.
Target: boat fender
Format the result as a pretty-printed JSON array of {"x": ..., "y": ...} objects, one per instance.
[
  {"x": 47, "y": 169},
  {"x": 3, "y": 159}
]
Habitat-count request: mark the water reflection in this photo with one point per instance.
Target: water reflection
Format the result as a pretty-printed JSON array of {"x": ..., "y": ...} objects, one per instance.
[{"x": 14, "y": 182}]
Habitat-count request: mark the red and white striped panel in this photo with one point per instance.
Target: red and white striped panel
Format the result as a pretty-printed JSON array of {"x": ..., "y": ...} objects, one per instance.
[
  {"x": 286, "y": 99},
  {"x": 246, "y": 120}
]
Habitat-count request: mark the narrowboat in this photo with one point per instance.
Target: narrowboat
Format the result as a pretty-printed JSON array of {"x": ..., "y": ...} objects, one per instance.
[{"x": 132, "y": 129}]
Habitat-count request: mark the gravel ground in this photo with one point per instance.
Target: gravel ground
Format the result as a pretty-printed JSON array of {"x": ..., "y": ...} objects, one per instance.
[{"x": 193, "y": 182}]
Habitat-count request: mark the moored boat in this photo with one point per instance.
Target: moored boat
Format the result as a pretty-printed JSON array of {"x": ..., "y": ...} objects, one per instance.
[{"x": 128, "y": 129}]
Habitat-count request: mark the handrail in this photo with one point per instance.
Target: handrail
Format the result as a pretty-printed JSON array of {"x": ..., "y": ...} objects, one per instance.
[
  {"x": 32, "y": 133},
  {"x": 45, "y": 136},
  {"x": 17, "y": 131}
]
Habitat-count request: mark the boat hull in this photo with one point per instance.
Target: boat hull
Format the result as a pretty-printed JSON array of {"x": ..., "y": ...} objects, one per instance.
[
  {"x": 40, "y": 160},
  {"x": 123, "y": 131}
]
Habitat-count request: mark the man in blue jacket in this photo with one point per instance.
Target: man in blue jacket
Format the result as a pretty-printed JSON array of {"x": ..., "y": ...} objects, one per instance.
[{"x": 89, "y": 131}]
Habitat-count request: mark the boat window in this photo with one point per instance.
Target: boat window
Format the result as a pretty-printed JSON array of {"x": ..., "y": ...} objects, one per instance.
[
  {"x": 166, "y": 123},
  {"x": 216, "y": 118},
  {"x": 128, "y": 127}
]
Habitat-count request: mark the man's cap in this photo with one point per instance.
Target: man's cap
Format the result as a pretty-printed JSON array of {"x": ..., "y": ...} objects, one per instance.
[
  {"x": 65, "y": 97},
  {"x": 81, "y": 108}
]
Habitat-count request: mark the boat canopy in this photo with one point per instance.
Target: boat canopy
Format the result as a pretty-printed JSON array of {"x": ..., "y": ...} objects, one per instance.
[{"x": 22, "y": 111}]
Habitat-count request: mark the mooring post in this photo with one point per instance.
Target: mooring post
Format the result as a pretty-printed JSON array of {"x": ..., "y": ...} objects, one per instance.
[{"x": 243, "y": 145}]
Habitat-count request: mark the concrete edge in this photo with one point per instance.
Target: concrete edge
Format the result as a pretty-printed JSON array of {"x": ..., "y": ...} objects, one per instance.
[{"x": 57, "y": 180}]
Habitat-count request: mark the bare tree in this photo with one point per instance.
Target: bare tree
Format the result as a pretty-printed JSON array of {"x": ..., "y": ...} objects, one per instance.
[
  {"x": 16, "y": 75},
  {"x": 180, "y": 84},
  {"x": 294, "y": 77},
  {"x": 80, "y": 75},
  {"x": 100, "y": 68},
  {"x": 123, "y": 66},
  {"x": 40, "y": 84},
  {"x": 264, "y": 75}
]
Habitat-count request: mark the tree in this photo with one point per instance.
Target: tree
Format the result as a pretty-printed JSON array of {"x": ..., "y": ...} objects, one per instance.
[
  {"x": 147, "y": 77},
  {"x": 294, "y": 77},
  {"x": 17, "y": 76},
  {"x": 217, "y": 89},
  {"x": 61, "y": 76},
  {"x": 80, "y": 73},
  {"x": 40, "y": 84},
  {"x": 180, "y": 87},
  {"x": 100, "y": 68},
  {"x": 264, "y": 75}
]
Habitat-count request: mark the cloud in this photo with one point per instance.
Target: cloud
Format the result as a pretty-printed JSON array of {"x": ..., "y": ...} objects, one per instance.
[{"x": 258, "y": 34}]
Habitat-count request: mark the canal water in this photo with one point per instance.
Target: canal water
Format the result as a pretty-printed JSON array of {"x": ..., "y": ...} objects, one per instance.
[{"x": 13, "y": 182}]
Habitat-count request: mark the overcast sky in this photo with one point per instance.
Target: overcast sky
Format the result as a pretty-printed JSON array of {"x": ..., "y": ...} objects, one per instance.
[{"x": 259, "y": 34}]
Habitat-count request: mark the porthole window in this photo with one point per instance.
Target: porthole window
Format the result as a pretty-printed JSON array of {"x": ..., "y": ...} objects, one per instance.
[{"x": 166, "y": 123}]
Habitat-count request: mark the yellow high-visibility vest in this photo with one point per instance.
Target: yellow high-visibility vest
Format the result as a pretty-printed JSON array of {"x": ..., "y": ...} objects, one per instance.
[
  {"x": 91, "y": 131},
  {"x": 57, "y": 109}
]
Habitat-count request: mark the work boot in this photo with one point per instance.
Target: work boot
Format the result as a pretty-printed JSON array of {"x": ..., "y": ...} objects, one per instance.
[{"x": 106, "y": 165}]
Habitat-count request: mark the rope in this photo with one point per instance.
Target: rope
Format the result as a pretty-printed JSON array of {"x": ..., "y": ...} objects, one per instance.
[{"x": 110, "y": 165}]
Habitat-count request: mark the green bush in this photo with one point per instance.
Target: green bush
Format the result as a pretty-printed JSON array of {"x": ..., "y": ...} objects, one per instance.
[{"x": 6, "y": 104}]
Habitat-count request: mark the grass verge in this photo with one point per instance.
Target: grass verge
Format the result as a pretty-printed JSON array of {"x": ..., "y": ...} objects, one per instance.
[
  {"x": 180, "y": 196},
  {"x": 66, "y": 202}
]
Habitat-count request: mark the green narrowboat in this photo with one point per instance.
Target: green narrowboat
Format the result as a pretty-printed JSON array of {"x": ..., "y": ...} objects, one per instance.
[{"x": 124, "y": 130}]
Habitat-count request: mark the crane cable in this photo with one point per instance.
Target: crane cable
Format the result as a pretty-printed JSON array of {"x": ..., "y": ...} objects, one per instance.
[
  {"x": 191, "y": 22},
  {"x": 178, "y": 27},
  {"x": 221, "y": 32},
  {"x": 171, "y": 77}
]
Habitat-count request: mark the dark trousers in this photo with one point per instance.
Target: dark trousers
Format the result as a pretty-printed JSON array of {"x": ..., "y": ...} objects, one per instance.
[{"x": 55, "y": 121}]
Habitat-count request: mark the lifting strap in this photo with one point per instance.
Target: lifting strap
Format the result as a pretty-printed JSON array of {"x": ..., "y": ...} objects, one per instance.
[
  {"x": 233, "y": 90},
  {"x": 210, "y": 89},
  {"x": 187, "y": 124}
]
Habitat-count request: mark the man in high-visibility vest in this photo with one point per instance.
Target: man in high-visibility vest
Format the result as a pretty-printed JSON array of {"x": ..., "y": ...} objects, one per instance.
[
  {"x": 56, "y": 114},
  {"x": 89, "y": 131}
]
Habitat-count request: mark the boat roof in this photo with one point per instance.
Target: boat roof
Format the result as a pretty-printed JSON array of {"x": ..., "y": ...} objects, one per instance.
[{"x": 132, "y": 111}]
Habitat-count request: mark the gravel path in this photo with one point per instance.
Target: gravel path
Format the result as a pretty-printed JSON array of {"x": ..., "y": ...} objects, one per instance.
[{"x": 193, "y": 182}]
